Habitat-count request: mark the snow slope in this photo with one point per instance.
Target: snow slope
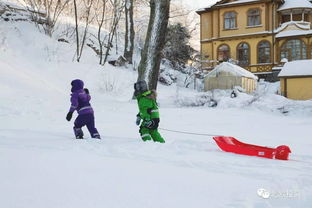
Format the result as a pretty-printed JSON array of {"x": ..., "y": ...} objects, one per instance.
[{"x": 42, "y": 165}]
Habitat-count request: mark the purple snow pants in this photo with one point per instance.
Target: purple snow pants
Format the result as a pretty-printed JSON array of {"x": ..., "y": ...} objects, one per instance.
[{"x": 88, "y": 120}]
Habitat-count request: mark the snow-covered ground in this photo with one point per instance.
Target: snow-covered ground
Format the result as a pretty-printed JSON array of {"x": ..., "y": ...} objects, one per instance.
[{"x": 42, "y": 165}]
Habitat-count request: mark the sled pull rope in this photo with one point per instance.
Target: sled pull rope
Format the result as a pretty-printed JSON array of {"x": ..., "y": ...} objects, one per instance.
[{"x": 192, "y": 133}]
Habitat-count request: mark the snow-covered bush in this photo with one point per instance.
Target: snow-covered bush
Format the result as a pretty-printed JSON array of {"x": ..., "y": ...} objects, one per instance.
[
  {"x": 265, "y": 98},
  {"x": 167, "y": 77},
  {"x": 200, "y": 99},
  {"x": 117, "y": 81},
  {"x": 184, "y": 76}
]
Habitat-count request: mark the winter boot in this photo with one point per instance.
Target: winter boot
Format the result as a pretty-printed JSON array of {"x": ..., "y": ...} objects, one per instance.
[
  {"x": 78, "y": 133},
  {"x": 145, "y": 134},
  {"x": 156, "y": 136},
  {"x": 96, "y": 136}
]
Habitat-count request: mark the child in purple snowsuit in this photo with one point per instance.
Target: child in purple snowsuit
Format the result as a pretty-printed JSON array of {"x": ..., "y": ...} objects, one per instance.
[{"x": 80, "y": 101}]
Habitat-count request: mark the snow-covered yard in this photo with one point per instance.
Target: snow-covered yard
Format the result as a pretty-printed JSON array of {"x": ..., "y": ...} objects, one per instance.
[{"x": 42, "y": 165}]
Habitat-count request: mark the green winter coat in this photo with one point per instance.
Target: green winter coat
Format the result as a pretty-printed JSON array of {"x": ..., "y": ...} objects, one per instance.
[{"x": 147, "y": 105}]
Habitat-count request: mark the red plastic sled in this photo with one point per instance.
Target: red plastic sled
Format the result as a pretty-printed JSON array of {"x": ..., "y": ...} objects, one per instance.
[{"x": 230, "y": 144}]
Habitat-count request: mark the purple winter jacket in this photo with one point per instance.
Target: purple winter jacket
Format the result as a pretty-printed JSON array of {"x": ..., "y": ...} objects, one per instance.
[{"x": 80, "y": 100}]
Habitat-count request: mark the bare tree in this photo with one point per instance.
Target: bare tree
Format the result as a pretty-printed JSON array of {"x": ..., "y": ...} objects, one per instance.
[
  {"x": 87, "y": 4},
  {"x": 154, "y": 42},
  {"x": 179, "y": 12},
  {"x": 129, "y": 35},
  {"x": 141, "y": 12},
  {"x": 100, "y": 18},
  {"x": 52, "y": 10},
  {"x": 76, "y": 29},
  {"x": 88, "y": 20},
  {"x": 117, "y": 6}
]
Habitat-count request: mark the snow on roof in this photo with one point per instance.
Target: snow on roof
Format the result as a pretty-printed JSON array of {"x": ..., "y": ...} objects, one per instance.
[
  {"x": 237, "y": 2},
  {"x": 293, "y": 33},
  {"x": 224, "y": 4},
  {"x": 295, "y": 4},
  {"x": 207, "y": 7},
  {"x": 297, "y": 68},
  {"x": 298, "y": 24},
  {"x": 232, "y": 69}
]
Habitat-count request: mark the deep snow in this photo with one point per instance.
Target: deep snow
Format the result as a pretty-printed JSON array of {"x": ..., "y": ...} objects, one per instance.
[{"x": 42, "y": 165}]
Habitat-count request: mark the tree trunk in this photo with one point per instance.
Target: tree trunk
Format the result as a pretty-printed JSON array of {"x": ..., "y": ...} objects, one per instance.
[
  {"x": 154, "y": 42},
  {"x": 129, "y": 36},
  {"x": 100, "y": 23},
  {"x": 116, "y": 17},
  {"x": 86, "y": 28},
  {"x": 76, "y": 30}
]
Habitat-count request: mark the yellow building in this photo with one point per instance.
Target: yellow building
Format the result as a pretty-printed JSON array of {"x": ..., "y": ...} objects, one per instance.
[
  {"x": 256, "y": 34},
  {"x": 296, "y": 80}
]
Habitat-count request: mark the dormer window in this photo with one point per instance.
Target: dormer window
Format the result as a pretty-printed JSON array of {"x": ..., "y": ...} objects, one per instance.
[
  {"x": 302, "y": 16},
  {"x": 229, "y": 20},
  {"x": 254, "y": 18},
  {"x": 285, "y": 18},
  {"x": 295, "y": 10}
]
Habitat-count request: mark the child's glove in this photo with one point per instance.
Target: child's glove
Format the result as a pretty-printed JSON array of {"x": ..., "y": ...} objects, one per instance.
[
  {"x": 138, "y": 119},
  {"x": 86, "y": 91},
  {"x": 69, "y": 116},
  {"x": 149, "y": 124}
]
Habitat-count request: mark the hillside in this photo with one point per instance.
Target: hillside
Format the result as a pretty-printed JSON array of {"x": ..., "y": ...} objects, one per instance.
[{"x": 42, "y": 165}]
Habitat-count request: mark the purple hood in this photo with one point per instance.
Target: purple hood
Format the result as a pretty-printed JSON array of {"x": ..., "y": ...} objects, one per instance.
[
  {"x": 76, "y": 84},
  {"x": 79, "y": 98}
]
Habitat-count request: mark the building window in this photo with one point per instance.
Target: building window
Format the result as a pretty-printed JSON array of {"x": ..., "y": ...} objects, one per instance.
[
  {"x": 223, "y": 53},
  {"x": 254, "y": 18},
  {"x": 230, "y": 20},
  {"x": 285, "y": 18},
  {"x": 243, "y": 54},
  {"x": 295, "y": 17},
  {"x": 294, "y": 50},
  {"x": 264, "y": 52}
]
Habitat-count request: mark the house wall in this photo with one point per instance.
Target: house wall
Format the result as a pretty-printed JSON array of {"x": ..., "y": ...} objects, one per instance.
[
  {"x": 242, "y": 27},
  {"x": 229, "y": 82},
  {"x": 297, "y": 88},
  {"x": 249, "y": 84},
  {"x": 207, "y": 54},
  {"x": 212, "y": 23},
  {"x": 282, "y": 86},
  {"x": 206, "y": 26},
  {"x": 233, "y": 44},
  {"x": 222, "y": 82},
  {"x": 215, "y": 24}
]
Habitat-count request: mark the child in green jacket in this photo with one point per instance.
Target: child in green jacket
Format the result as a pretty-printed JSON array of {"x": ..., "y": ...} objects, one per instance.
[{"x": 148, "y": 112}]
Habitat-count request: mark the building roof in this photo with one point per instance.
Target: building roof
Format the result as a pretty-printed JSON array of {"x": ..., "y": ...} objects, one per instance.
[
  {"x": 299, "y": 24},
  {"x": 293, "y": 28},
  {"x": 288, "y": 4},
  {"x": 297, "y": 68},
  {"x": 295, "y": 4},
  {"x": 231, "y": 69},
  {"x": 236, "y": 2},
  {"x": 223, "y": 3},
  {"x": 290, "y": 33}
]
